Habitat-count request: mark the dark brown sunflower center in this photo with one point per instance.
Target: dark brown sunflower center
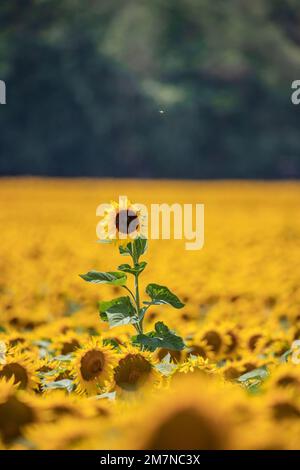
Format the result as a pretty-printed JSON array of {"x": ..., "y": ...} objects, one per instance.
[
  {"x": 232, "y": 373},
  {"x": 285, "y": 410},
  {"x": 14, "y": 414},
  {"x": 132, "y": 372},
  {"x": 127, "y": 221},
  {"x": 287, "y": 380},
  {"x": 17, "y": 371},
  {"x": 253, "y": 341},
  {"x": 186, "y": 429},
  {"x": 214, "y": 340},
  {"x": 197, "y": 350},
  {"x": 174, "y": 355},
  {"x": 233, "y": 342},
  {"x": 70, "y": 347},
  {"x": 92, "y": 364}
]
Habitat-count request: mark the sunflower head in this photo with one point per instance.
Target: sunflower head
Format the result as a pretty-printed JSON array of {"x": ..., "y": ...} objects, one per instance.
[
  {"x": 188, "y": 415},
  {"x": 16, "y": 411},
  {"x": 93, "y": 366},
  {"x": 134, "y": 371},
  {"x": 21, "y": 368},
  {"x": 285, "y": 376},
  {"x": 67, "y": 343},
  {"x": 122, "y": 222}
]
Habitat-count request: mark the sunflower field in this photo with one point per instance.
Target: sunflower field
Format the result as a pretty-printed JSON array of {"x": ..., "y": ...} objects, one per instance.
[{"x": 68, "y": 381}]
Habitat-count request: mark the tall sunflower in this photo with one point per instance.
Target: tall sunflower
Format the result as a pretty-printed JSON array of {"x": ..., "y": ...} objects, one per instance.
[{"x": 93, "y": 366}]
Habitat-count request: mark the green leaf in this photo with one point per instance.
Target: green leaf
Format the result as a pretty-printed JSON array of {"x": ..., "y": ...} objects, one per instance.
[
  {"x": 114, "y": 278},
  {"x": 162, "y": 337},
  {"x": 109, "y": 395},
  {"x": 136, "y": 269},
  {"x": 65, "y": 384},
  {"x": 284, "y": 357},
  {"x": 135, "y": 248},
  {"x": 162, "y": 295},
  {"x": 105, "y": 305},
  {"x": 118, "y": 312},
  {"x": 111, "y": 342},
  {"x": 261, "y": 373},
  {"x": 63, "y": 357},
  {"x": 140, "y": 245}
]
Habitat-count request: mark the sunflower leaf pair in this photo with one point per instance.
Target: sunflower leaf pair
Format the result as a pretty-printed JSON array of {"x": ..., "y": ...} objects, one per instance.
[
  {"x": 128, "y": 310},
  {"x": 161, "y": 337},
  {"x": 135, "y": 249}
]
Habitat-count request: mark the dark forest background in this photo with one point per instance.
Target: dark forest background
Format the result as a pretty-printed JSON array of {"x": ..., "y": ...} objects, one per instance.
[{"x": 150, "y": 88}]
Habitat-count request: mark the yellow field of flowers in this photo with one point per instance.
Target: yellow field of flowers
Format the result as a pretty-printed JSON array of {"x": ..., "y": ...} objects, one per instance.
[{"x": 64, "y": 384}]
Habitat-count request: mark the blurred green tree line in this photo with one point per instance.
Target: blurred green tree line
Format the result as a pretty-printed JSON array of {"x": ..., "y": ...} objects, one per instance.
[{"x": 150, "y": 88}]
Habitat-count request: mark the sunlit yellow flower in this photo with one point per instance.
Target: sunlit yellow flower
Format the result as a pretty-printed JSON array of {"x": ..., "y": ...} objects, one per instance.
[
  {"x": 284, "y": 376},
  {"x": 93, "y": 366},
  {"x": 122, "y": 222},
  {"x": 135, "y": 370},
  {"x": 71, "y": 434},
  {"x": 21, "y": 367},
  {"x": 190, "y": 415},
  {"x": 16, "y": 411},
  {"x": 68, "y": 343},
  {"x": 216, "y": 340},
  {"x": 195, "y": 364}
]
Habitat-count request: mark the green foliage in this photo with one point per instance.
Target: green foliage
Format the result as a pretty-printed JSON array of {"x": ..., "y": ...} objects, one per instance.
[
  {"x": 111, "y": 342},
  {"x": 162, "y": 295},
  {"x": 128, "y": 310},
  {"x": 118, "y": 312},
  {"x": 261, "y": 373},
  {"x": 134, "y": 249},
  {"x": 64, "y": 384},
  {"x": 114, "y": 278},
  {"x": 161, "y": 337},
  {"x": 253, "y": 380},
  {"x": 136, "y": 269}
]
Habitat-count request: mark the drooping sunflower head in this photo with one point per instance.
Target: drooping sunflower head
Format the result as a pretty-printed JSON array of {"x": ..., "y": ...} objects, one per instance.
[
  {"x": 135, "y": 370},
  {"x": 122, "y": 222},
  {"x": 93, "y": 366}
]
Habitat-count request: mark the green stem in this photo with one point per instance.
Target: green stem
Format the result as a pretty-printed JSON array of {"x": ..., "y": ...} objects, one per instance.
[
  {"x": 137, "y": 325},
  {"x": 130, "y": 292},
  {"x": 135, "y": 260},
  {"x": 137, "y": 297}
]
